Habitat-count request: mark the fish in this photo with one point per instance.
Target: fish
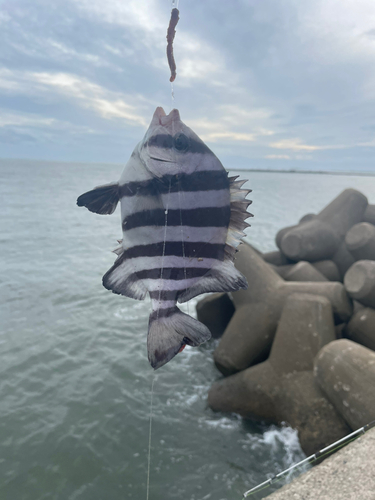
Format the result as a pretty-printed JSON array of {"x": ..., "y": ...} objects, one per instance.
[{"x": 183, "y": 219}]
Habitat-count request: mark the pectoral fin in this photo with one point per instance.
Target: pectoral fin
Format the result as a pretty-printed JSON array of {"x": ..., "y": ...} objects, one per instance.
[{"x": 101, "y": 200}]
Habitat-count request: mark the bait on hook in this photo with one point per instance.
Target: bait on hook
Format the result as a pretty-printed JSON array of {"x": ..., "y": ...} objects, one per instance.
[{"x": 170, "y": 37}]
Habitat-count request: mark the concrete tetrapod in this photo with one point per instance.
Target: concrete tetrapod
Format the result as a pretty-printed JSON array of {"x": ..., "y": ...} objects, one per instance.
[
  {"x": 304, "y": 271},
  {"x": 343, "y": 259},
  {"x": 360, "y": 241},
  {"x": 280, "y": 234},
  {"x": 328, "y": 268},
  {"x": 215, "y": 311},
  {"x": 369, "y": 215},
  {"x": 361, "y": 328},
  {"x": 249, "y": 334},
  {"x": 359, "y": 282},
  {"x": 345, "y": 371},
  {"x": 282, "y": 389},
  {"x": 320, "y": 237},
  {"x": 282, "y": 270},
  {"x": 276, "y": 258}
]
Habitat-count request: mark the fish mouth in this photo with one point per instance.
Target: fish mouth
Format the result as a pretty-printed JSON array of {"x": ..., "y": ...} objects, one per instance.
[
  {"x": 174, "y": 116},
  {"x": 161, "y": 118}
]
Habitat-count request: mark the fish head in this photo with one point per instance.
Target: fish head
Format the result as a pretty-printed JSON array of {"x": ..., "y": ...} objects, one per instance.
[{"x": 169, "y": 146}]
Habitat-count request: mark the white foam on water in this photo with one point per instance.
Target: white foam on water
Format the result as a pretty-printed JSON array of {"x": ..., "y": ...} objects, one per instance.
[{"x": 224, "y": 423}]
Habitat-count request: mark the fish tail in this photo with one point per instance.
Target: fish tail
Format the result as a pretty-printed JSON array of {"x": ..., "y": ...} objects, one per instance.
[{"x": 169, "y": 330}]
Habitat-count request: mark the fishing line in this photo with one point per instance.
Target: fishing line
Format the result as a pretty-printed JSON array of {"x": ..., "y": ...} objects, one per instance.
[
  {"x": 149, "y": 435},
  {"x": 183, "y": 247},
  {"x": 181, "y": 224},
  {"x": 164, "y": 241},
  {"x": 153, "y": 373},
  {"x": 311, "y": 459},
  {"x": 172, "y": 97}
]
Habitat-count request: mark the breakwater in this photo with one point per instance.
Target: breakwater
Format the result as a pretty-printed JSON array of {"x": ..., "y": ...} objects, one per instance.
[{"x": 297, "y": 345}]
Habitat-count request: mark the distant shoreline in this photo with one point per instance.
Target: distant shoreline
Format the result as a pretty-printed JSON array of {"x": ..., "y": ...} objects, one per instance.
[
  {"x": 263, "y": 170},
  {"x": 320, "y": 172}
]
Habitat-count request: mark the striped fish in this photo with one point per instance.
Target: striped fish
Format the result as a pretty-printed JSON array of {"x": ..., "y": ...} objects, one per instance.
[{"x": 182, "y": 221}]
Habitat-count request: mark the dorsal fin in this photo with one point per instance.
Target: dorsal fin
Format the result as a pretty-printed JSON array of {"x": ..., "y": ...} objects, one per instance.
[{"x": 238, "y": 216}]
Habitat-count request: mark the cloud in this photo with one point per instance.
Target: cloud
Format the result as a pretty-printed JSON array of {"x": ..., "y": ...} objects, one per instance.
[
  {"x": 278, "y": 157},
  {"x": 233, "y": 136},
  {"x": 297, "y": 145},
  {"x": 90, "y": 95},
  {"x": 28, "y": 121},
  {"x": 9, "y": 136},
  {"x": 370, "y": 33},
  {"x": 234, "y": 124},
  {"x": 257, "y": 79},
  {"x": 107, "y": 104},
  {"x": 370, "y": 144},
  {"x": 146, "y": 15}
]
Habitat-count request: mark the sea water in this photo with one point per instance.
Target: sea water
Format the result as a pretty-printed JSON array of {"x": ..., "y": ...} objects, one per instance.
[{"x": 74, "y": 377}]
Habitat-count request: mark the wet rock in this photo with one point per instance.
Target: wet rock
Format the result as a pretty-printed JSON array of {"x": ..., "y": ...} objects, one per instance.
[
  {"x": 304, "y": 271},
  {"x": 359, "y": 282},
  {"x": 361, "y": 328},
  {"x": 215, "y": 311},
  {"x": 360, "y": 241},
  {"x": 282, "y": 389},
  {"x": 345, "y": 371},
  {"x": 320, "y": 238},
  {"x": 329, "y": 269},
  {"x": 250, "y": 332}
]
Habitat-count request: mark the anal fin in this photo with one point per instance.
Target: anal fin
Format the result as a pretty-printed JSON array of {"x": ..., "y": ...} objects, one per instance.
[
  {"x": 222, "y": 278},
  {"x": 120, "y": 279}
]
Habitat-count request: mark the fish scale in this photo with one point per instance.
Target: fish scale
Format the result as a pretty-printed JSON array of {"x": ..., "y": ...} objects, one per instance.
[{"x": 182, "y": 220}]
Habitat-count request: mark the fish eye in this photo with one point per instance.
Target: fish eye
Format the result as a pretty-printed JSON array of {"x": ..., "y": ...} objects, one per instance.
[{"x": 181, "y": 142}]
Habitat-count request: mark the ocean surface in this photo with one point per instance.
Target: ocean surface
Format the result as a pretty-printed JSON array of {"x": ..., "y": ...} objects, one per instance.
[{"x": 74, "y": 377}]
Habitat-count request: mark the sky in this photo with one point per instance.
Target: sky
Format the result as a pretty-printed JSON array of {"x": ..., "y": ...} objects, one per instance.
[{"x": 266, "y": 84}]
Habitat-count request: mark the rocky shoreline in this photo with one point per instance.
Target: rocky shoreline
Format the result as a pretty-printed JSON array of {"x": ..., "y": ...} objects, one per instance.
[{"x": 298, "y": 345}]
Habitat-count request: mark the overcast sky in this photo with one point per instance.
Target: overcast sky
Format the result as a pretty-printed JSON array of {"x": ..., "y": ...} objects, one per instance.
[{"x": 266, "y": 83}]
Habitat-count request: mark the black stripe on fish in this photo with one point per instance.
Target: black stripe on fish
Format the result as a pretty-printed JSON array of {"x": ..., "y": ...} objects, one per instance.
[
  {"x": 177, "y": 248},
  {"x": 207, "y": 180},
  {"x": 163, "y": 313},
  {"x": 195, "y": 217},
  {"x": 164, "y": 295},
  {"x": 166, "y": 141},
  {"x": 169, "y": 273}
]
